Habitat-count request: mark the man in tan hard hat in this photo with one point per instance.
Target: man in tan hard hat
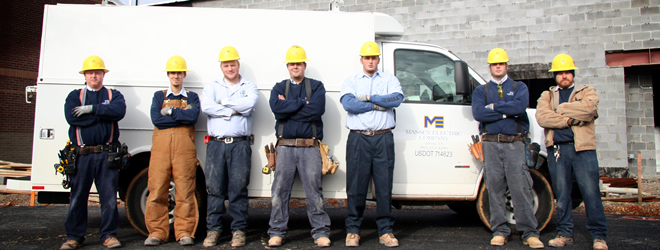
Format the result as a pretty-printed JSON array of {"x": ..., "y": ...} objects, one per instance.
[
  {"x": 500, "y": 107},
  {"x": 567, "y": 113},
  {"x": 174, "y": 112},
  {"x": 228, "y": 104},
  {"x": 369, "y": 99},
  {"x": 298, "y": 104},
  {"x": 93, "y": 113}
]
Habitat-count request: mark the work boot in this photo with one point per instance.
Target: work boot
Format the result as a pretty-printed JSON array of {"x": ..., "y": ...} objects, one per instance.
[
  {"x": 211, "y": 238},
  {"x": 238, "y": 239},
  {"x": 322, "y": 242},
  {"x": 498, "y": 240},
  {"x": 533, "y": 242},
  {"x": 152, "y": 241},
  {"x": 186, "y": 241},
  {"x": 70, "y": 244},
  {"x": 560, "y": 241},
  {"x": 352, "y": 240},
  {"x": 275, "y": 241},
  {"x": 388, "y": 240},
  {"x": 600, "y": 244},
  {"x": 112, "y": 242}
]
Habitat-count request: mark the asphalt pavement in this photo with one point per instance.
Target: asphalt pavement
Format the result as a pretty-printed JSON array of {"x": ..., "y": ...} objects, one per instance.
[{"x": 43, "y": 228}]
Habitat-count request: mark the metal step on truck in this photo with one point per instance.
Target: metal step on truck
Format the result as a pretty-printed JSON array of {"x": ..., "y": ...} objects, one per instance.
[{"x": 433, "y": 165}]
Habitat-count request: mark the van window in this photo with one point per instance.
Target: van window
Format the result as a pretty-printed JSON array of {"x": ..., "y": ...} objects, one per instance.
[{"x": 426, "y": 76}]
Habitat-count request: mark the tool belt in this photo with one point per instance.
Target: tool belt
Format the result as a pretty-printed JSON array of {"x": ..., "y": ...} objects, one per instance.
[
  {"x": 298, "y": 142},
  {"x": 372, "y": 132},
  {"x": 85, "y": 150},
  {"x": 230, "y": 140},
  {"x": 502, "y": 138}
]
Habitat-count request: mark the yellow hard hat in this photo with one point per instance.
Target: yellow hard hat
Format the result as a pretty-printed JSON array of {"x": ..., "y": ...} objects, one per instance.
[
  {"x": 176, "y": 64},
  {"x": 228, "y": 53},
  {"x": 370, "y": 49},
  {"x": 296, "y": 54},
  {"x": 93, "y": 63},
  {"x": 562, "y": 62},
  {"x": 497, "y": 55}
]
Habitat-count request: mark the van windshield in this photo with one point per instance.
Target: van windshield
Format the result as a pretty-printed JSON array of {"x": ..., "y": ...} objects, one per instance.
[{"x": 426, "y": 76}]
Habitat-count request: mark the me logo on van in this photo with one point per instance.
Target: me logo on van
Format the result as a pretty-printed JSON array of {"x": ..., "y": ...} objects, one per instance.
[{"x": 437, "y": 121}]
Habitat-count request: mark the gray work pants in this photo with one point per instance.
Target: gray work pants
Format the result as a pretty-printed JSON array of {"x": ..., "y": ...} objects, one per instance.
[
  {"x": 307, "y": 162},
  {"x": 505, "y": 166}
]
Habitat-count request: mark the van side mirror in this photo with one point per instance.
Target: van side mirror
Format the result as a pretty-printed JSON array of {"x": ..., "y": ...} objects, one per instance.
[{"x": 462, "y": 78}]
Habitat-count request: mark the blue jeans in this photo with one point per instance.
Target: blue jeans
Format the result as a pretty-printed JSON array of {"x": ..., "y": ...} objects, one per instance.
[
  {"x": 506, "y": 167},
  {"x": 368, "y": 156},
  {"x": 91, "y": 168},
  {"x": 584, "y": 165},
  {"x": 307, "y": 162},
  {"x": 227, "y": 173}
]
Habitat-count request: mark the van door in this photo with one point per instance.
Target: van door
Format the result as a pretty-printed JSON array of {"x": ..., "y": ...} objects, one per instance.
[{"x": 434, "y": 125}]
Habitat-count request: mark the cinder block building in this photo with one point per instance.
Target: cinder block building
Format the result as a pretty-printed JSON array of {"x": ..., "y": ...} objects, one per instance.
[{"x": 615, "y": 43}]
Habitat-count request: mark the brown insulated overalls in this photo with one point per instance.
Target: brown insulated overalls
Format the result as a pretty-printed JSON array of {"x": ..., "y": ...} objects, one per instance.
[{"x": 173, "y": 155}]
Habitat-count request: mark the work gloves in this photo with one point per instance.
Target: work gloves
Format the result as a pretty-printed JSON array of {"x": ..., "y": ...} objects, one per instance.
[
  {"x": 81, "y": 110},
  {"x": 574, "y": 122},
  {"x": 380, "y": 108},
  {"x": 364, "y": 98},
  {"x": 166, "y": 111}
]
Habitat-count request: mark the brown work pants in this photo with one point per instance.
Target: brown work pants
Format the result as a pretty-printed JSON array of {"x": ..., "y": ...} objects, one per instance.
[{"x": 173, "y": 157}]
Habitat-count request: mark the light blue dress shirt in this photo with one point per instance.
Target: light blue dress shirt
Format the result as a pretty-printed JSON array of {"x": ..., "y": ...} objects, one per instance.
[
  {"x": 240, "y": 98},
  {"x": 380, "y": 83}
]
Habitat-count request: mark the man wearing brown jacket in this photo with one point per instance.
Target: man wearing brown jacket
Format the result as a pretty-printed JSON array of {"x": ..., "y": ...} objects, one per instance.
[{"x": 567, "y": 113}]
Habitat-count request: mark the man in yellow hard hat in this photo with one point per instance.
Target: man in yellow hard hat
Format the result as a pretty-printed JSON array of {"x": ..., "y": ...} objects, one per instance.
[
  {"x": 228, "y": 104},
  {"x": 500, "y": 107},
  {"x": 567, "y": 113},
  {"x": 174, "y": 112},
  {"x": 298, "y": 104},
  {"x": 369, "y": 99},
  {"x": 93, "y": 113}
]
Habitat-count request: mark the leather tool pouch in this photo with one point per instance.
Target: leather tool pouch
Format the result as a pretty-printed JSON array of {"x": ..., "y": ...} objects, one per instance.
[
  {"x": 532, "y": 150},
  {"x": 330, "y": 164},
  {"x": 118, "y": 157}
]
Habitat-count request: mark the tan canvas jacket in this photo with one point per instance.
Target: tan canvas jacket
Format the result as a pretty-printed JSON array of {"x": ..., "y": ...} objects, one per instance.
[{"x": 582, "y": 105}]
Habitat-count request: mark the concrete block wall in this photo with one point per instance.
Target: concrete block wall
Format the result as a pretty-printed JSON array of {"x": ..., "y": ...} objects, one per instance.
[
  {"x": 532, "y": 31},
  {"x": 640, "y": 119}
]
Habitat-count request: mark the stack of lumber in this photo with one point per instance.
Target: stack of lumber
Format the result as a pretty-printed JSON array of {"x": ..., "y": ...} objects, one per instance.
[
  {"x": 12, "y": 169},
  {"x": 622, "y": 189}
]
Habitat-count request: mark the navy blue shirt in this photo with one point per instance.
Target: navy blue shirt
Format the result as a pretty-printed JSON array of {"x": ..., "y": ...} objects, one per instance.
[
  {"x": 565, "y": 134},
  {"x": 95, "y": 127},
  {"x": 513, "y": 104},
  {"x": 294, "y": 112},
  {"x": 179, "y": 116}
]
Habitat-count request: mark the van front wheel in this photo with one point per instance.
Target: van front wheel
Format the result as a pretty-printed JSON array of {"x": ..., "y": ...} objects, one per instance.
[
  {"x": 136, "y": 202},
  {"x": 543, "y": 203}
]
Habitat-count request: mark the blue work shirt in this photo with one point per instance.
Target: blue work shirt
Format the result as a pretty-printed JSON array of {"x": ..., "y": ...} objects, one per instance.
[
  {"x": 240, "y": 98},
  {"x": 97, "y": 126},
  {"x": 179, "y": 116},
  {"x": 295, "y": 113},
  {"x": 384, "y": 90},
  {"x": 565, "y": 134},
  {"x": 508, "y": 111}
]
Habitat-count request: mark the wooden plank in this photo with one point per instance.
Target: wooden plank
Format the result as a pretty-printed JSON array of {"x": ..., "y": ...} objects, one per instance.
[{"x": 630, "y": 199}]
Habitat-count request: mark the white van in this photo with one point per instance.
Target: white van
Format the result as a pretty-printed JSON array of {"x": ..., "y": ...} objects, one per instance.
[{"x": 434, "y": 124}]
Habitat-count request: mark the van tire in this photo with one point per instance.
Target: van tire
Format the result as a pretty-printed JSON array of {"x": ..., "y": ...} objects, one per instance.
[
  {"x": 136, "y": 197},
  {"x": 543, "y": 197}
]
